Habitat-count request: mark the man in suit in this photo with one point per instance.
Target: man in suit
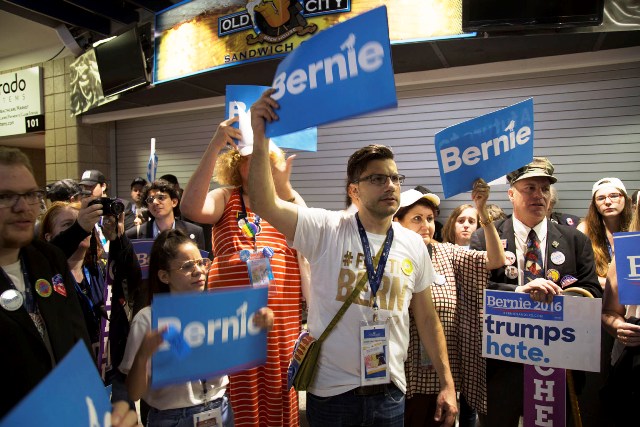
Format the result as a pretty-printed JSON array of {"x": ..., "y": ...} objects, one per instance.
[
  {"x": 161, "y": 197},
  {"x": 135, "y": 205},
  {"x": 40, "y": 316},
  {"x": 566, "y": 260}
]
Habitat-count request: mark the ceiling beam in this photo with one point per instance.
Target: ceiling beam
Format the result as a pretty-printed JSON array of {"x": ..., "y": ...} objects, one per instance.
[
  {"x": 152, "y": 5},
  {"x": 67, "y": 13},
  {"x": 123, "y": 14}
]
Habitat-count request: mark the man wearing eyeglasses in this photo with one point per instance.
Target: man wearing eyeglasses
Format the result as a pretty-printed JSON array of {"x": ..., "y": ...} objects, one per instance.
[
  {"x": 349, "y": 387},
  {"x": 162, "y": 198},
  {"x": 546, "y": 259},
  {"x": 40, "y": 317}
]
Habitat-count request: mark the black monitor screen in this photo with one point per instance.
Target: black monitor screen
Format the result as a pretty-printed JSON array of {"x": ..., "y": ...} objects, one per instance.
[
  {"x": 487, "y": 15},
  {"x": 121, "y": 63}
]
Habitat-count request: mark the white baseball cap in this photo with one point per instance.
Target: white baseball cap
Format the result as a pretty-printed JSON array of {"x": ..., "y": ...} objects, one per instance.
[
  {"x": 409, "y": 197},
  {"x": 608, "y": 182},
  {"x": 245, "y": 145}
]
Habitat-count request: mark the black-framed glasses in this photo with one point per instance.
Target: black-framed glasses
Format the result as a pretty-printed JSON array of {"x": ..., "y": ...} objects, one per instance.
[
  {"x": 381, "y": 179},
  {"x": 9, "y": 200},
  {"x": 190, "y": 265},
  {"x": 158, "y": 197},
  {"x": 614, "y": 197}
]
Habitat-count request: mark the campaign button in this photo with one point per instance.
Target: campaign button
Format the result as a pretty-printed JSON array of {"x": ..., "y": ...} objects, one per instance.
[
  {"x": 553, "y": 275},
  {"x": 439, "y": 279},
  {"x": 267, "y": 252},
  {"x": 43, "y": 288},
  {"x": 511, "y": 272},
  {"x": 11, "y": 300},
  {"x": 510, "y": 258},
  {"x": 567, "y": 281},
  {"x": 407, "y": 267},
  {"x": 557, "y": 258},
  {"x": 245, "y": 255}
]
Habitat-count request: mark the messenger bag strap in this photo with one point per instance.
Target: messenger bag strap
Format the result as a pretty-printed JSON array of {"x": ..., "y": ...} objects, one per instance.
[{"x": 349, "y": 299}]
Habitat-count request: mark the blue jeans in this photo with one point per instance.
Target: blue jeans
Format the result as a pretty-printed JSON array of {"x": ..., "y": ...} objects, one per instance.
[
  {"x": 183, "y": 417},
  {"x": 350, "y": 409}
]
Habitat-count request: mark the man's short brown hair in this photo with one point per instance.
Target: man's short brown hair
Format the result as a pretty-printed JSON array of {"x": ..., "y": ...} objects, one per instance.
[{"x": 10, "y": 156}]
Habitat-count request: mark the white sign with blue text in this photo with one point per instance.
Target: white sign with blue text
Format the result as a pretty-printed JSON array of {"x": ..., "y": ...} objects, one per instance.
[
  {"x": 72, "y": 395},
  {"x": 214, "y": 332},
  {"x": 562, "y": 334},
  {"x": 628, "y": 266},
  {"x": 239, "y": 99},
  {"x": 341, "y": 72},
  {"x": 487, "y": 147}
]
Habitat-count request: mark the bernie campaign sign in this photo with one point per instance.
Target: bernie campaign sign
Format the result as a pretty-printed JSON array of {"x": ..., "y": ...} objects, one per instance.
[
  {"x": 71, "y": 395},
  {"x": 239, "y": 99},
  {"x": 341, "y": 72},
  {"x": 628, "y": 266},
  {"x": 209, "y": 334},
  {"x": 487, "y": 147},
  {"x": 519, "y": 329}
]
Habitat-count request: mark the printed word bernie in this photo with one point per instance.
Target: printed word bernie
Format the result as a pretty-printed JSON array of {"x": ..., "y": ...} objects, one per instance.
[
  {"x": 452, "y": 160},
  {"x": 197, "y": 333},
  {"x": 368, "y": 58}
]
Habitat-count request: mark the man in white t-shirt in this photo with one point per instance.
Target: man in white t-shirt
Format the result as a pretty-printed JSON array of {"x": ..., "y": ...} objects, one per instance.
[{"x": 336, "y": 245}]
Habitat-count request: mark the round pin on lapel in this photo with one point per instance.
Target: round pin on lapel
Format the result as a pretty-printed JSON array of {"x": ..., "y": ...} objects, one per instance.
[
  {"x": 439, "y": 279},
  {"x": 557, "y": 258},
  {"x": 11, "y": 300},
  {"x": 511, "y": 272},
  {"x": 553, "y": 275},
  {"x": 43, "y": 288},
  {"x": 510, "y": 257}
]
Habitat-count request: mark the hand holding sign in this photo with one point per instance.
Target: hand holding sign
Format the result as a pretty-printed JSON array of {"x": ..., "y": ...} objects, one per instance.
[{"x": 225, "y": 134}]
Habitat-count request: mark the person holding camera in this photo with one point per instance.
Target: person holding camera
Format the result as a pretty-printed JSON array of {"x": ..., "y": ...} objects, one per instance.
[{"x": 162, "y": 199}]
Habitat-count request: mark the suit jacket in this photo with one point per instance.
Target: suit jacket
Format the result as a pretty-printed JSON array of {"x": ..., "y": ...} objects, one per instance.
[
  {"x": 565, "y": 219},
  {"x": 576, "y": 247},
  {"x": 146, "y": 232},
  {"x": 23, "y": 354}
]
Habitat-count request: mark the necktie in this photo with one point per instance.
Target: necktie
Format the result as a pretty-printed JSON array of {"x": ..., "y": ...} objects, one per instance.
[{"x": 532, "y": 258}]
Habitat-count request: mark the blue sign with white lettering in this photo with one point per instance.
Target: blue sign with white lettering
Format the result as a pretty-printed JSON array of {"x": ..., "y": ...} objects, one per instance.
[
  {"x": 628, "y": 266},
  {"x": 238, "y": 102},
  {"x": 341, "y": 72},
  {"x": 487, "y": 147},
  {"x": 71, "y": 395},
  {"x": 218, "y": 328},
  {"x": 521, "y": 305}
]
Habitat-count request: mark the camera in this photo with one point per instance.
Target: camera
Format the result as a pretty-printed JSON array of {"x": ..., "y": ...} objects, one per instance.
[{"x": 113, "y": 207}]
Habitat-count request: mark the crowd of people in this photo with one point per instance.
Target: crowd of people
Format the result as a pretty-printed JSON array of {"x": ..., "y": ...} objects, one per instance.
[{"x": 424, "y": 285}]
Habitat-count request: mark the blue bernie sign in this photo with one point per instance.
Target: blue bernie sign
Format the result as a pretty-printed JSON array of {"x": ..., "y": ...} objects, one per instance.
[
  {"x": 341, "y": 72},
  {"x": 212, "y": 334},
  {"x": 487, "y": 147},
  {"x": 628, "y": 266},
  {"x": 71, "y": 395},
  {"x": 238, "y": 102}
]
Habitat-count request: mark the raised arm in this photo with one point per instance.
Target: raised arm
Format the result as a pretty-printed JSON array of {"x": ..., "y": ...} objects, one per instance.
[
  {"x": 495, "y": 251},
  {"x": 432, "y": 337},
  {"x": 262, "y": 194},
  {"x": 197, "y": 203}
]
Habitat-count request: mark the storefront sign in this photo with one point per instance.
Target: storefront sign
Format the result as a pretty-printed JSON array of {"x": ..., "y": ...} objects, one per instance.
[
  {"x": 202, "y": 35},
  {"x": 21, "y": 106}
]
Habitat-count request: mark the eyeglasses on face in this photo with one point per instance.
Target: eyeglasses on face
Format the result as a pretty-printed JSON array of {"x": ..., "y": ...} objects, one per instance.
[
  {"x": 190, "y": 265},
  {"x": 614, "y": 197},
  {"x": 159, "y": 197},
  {"x": 381, "y": 179},
  {"x": 9, "y": 200}
]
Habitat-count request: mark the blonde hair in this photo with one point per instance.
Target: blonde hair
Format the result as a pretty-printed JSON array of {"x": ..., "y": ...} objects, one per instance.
[{"x": 227, "y": 169}]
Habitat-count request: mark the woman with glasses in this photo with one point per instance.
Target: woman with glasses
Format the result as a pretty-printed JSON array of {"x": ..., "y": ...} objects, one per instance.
[
  {"x": 175, "y": 266},
  {"x": 162, "y": 199},
  {"x": 259, "y": 395},
  {"x": 459, "y": 275},
  {"x": 609, "y": 212}
]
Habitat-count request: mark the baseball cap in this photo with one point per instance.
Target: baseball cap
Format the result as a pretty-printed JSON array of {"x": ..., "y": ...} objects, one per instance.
[
  {"x": 92, "y": 177},
  {"x": 540, "y": 166},
  {"x": 608, "y": 182},
  {"x": 409, "y": 197},
  {"x": 138, "y": 181},
  {"x": 63, "y": 190}
]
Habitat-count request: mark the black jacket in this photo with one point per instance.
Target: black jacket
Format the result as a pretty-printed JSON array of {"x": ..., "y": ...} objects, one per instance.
[
  {"x": 24, "y": 357},
  {"x": 146, "y": 232}
]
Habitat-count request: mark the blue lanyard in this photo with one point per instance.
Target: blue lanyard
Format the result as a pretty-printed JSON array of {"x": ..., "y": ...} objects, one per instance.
[
  {"x": 81, "y": 292},
  {"x": 374, "y": 273},
  {"x": 29, "y": 301}
]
